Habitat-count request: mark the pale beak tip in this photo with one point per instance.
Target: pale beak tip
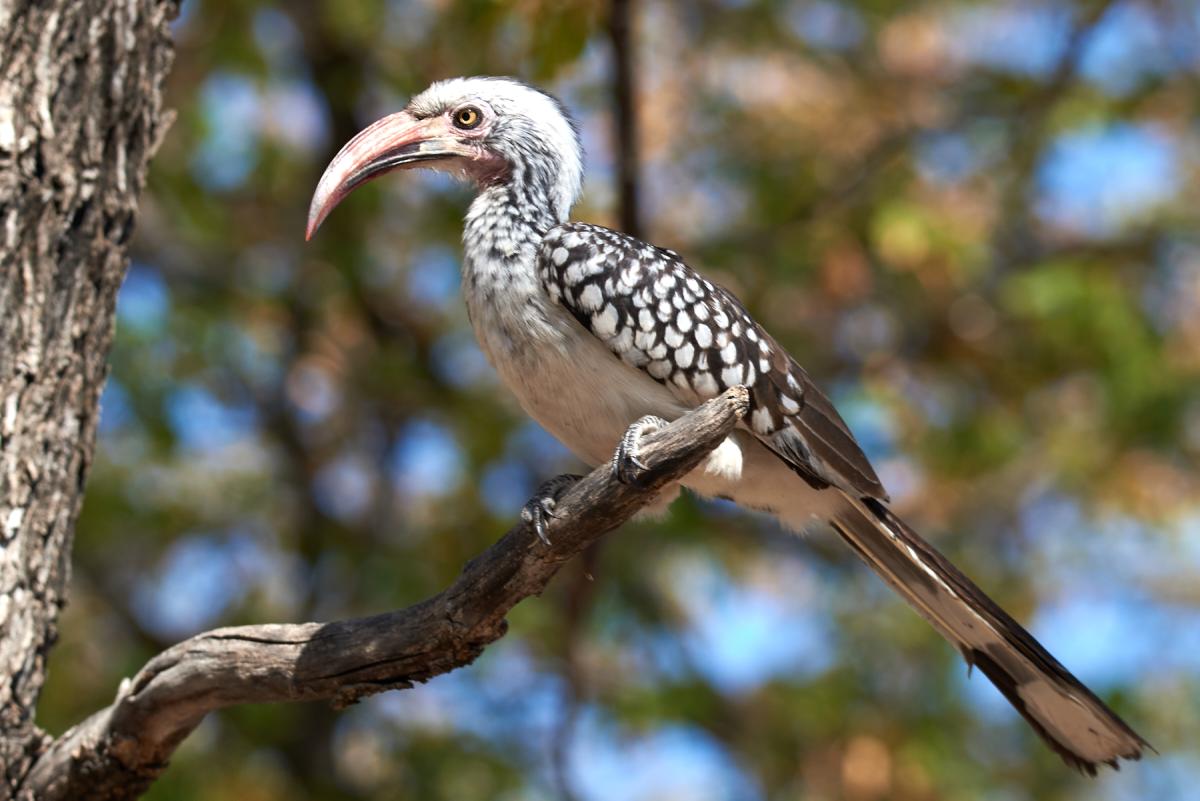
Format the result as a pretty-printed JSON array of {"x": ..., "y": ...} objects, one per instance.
[
  {"x": 316, "y": 215},
  {"x": 353, "y": 165}
]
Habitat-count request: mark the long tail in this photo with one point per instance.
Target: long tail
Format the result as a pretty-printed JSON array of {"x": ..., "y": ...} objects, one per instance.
[{"x": 1068, "y": 716}]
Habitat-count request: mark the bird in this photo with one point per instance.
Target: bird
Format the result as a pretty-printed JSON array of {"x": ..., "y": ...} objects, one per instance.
[{"x": 604, "y": 338}]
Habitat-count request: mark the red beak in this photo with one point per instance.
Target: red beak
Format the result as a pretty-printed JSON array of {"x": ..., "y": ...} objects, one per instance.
[{"x": 395, "y": 142}]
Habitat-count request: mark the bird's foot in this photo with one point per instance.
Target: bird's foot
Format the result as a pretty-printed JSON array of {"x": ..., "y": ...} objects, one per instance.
[
  {"x": 626, "y": 466},
  {"x": 539, "y": 510}
]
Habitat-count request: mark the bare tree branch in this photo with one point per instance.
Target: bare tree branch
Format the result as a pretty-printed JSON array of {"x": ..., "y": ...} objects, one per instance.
[{"x": 119, "y": 751}]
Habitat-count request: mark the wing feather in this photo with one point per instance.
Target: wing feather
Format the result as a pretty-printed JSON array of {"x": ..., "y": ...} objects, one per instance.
[{"x": 657, "y": 314}]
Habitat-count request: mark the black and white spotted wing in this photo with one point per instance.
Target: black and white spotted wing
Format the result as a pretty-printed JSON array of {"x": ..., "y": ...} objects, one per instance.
[{"x": 656, "y": 313}]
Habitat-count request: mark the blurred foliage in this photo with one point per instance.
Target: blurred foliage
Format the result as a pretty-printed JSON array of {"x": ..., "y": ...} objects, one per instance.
[{"x": 974, "y": 222}]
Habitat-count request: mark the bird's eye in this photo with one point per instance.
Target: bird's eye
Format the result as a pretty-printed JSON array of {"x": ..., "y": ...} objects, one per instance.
[{"x": 467, "y": 117}]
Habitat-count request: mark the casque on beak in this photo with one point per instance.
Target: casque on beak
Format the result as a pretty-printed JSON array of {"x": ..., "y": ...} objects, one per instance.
[{"x": 397, "y": 141}]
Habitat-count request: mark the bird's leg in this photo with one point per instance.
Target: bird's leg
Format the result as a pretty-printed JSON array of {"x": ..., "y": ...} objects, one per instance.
[
  {"x": 540, "y": 508},
  {"x": 626, "y": 466}
]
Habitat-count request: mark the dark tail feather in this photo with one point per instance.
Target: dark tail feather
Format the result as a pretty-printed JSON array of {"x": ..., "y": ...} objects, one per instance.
[{"x": 1067, "y": 715}]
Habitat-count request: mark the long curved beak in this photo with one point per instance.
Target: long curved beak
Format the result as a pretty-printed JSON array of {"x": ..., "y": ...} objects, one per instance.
[{"x": 395, "y": 142}]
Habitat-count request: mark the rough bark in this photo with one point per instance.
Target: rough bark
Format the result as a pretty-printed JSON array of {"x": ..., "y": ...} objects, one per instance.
[
  {"x": 119, "y": 751},
  {"x": 80, "y": 115}
]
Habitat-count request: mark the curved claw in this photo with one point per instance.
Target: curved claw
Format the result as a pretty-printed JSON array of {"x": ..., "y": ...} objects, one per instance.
[
  {"x": 626, "y": 466},
  {"x": 539, "y": 510}
]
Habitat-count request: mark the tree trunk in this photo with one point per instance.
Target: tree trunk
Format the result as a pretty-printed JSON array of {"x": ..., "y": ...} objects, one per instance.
[{"x": 80, "y": 115}]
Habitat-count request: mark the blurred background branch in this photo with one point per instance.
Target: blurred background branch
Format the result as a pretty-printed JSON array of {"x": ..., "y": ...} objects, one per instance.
[
  {"x": 625, "y": 118},
  {"x": 581, "y": 596}
]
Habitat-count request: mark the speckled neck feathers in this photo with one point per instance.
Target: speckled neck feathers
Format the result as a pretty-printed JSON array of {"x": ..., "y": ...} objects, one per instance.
[
  {"x": 513, "y": 318},
  {"x": 508, "y": 219}
]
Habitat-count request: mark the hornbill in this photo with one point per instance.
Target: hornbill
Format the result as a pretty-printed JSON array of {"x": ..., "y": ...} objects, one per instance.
[{"x": 603, "y": 337}]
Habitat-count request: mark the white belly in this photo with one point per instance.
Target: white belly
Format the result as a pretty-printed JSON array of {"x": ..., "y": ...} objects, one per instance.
[{"x": 570, "y": 382}]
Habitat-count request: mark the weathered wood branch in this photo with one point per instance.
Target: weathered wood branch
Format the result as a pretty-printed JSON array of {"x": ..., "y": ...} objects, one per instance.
[{"x": 119, "y": 751}]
